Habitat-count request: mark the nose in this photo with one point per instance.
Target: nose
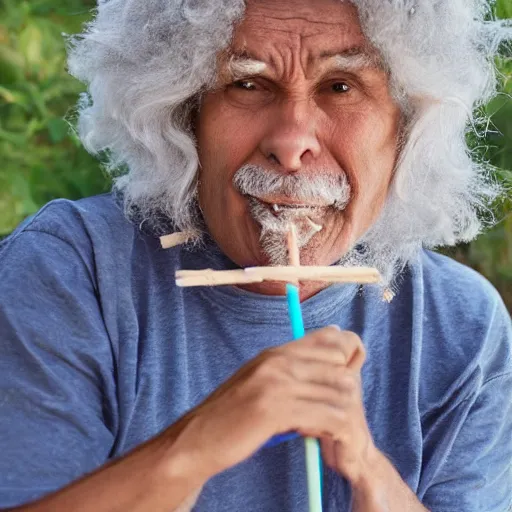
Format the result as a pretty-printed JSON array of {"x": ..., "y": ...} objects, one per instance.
[{"x": 291, "y": 140}]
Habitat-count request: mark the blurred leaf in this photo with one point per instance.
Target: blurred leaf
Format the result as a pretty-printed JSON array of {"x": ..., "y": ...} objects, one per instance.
[
  {"x": 13, "y": 138},
  {"x": 7, "y": 95},
  {"x": 30, "y": 41},
  {"x": 11, "y": 65},
  {"x": 58, "y": 129},
  {"x": 20, "y": 189},
  {"x": 504, "y": 9}
]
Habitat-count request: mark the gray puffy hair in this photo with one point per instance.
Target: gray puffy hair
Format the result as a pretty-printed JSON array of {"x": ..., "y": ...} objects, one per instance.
[{"x": 146, "y": 63}]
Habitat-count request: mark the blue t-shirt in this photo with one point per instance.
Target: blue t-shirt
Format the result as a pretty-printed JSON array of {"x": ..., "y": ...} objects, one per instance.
[{"x": 101, "y": 351}]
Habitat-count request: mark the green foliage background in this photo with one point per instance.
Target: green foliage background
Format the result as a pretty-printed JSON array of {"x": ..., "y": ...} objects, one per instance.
[{"x": 42, "y": 159}]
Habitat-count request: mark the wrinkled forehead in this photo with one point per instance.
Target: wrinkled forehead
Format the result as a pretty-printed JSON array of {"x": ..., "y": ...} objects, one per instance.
[
  {"x": 313, "y": 17},
  {"x": 307, "y": 31}
]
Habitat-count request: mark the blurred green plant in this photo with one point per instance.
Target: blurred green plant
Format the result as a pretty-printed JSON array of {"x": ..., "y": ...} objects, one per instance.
[
  {"x": 491, "y": 253},
  {"x": 42, "y": 159}
]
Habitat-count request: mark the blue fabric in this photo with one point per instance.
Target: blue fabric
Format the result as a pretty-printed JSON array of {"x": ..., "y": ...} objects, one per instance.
[{"x": 101, "y": 351}]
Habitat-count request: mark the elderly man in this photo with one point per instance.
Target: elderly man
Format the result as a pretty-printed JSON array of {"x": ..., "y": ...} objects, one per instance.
[{"x": 121, "y": 391}]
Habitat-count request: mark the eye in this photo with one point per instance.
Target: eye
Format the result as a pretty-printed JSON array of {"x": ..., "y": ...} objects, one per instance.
[
  {"x": 250, "y": 92},
  {"x": 246, "y": 85},
  {"x": 340, "y": 87},
  {"x": 339, "y": 91}
]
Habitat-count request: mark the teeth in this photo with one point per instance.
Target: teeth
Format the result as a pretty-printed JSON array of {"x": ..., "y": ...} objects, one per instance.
[
  {"x": 315, "y": 226},
  {"x": 275, "y": 207}
]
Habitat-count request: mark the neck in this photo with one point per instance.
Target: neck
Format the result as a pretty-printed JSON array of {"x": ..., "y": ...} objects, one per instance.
[{"x": 306, "y": 289}]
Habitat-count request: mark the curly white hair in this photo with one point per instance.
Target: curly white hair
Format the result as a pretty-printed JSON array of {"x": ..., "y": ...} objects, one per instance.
[{"x": 147, "y": 62}]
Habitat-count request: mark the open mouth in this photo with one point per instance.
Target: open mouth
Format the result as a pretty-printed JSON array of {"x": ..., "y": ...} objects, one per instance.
[
  {"x": 285, "y": 212},
  {"x": 280, "y": 206}
]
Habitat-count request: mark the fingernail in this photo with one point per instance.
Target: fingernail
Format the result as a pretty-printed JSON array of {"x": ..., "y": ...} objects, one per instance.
[{"x": 334, "y": 326}]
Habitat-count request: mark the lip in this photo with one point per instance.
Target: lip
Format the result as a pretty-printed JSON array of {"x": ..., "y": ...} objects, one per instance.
[{"x": 289, "y": 203}]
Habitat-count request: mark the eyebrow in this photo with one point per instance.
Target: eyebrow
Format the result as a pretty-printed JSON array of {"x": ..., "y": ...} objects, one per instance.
[
  {"x": 243, "y": 64},
  {"x": 354, "y": 58}
]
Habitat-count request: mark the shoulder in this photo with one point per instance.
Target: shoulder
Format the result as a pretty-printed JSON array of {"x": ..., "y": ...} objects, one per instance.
[
  {"x": 466, "y": 327},
  {"x": 91, "y": 225},
  {"x": 64, "y": 237},
  {"x": 91, "y": 236},
  {"x": 455, "y": 290},
  {"x": 69, "y": 220}
]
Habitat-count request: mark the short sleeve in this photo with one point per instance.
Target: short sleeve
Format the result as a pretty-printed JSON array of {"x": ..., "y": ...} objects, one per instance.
[
  {"x": 57, "y": 392},
  {"x": 472, "y": 438}
]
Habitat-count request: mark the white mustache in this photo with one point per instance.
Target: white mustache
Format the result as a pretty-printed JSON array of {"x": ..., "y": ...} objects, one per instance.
[{"x": 321, "y": 188}]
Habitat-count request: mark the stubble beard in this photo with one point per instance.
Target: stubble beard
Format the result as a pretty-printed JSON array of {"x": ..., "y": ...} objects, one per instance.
[{"x": 275, "y": 229}]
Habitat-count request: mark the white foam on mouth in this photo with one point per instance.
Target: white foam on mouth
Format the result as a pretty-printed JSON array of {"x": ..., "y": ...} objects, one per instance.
[
  {"x": 276, "y": 217},
  {"x": 299, "y": 209},
  {"x": 314, "y": 225},
  {"x": 275, "y": 220},
  {"x": 294, "y": 206}
]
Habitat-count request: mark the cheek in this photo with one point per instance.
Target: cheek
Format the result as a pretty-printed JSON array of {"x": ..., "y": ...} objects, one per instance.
[
  {"x": 364, "y": 144},
  {"x": 226, "y": 136},
  {"x": 226, "y": 140}
]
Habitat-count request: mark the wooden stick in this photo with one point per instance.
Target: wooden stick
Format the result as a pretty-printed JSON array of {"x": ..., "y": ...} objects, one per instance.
[
  {"x": 293, "y": 251},
  {"x": 293, "y": 247},
  {"x": 174, "y": 239},
  {"x": 209, "y": 277}
]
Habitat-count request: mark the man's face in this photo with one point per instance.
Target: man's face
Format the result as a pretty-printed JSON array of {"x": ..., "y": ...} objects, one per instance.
[{"x": 302, "y": 96}]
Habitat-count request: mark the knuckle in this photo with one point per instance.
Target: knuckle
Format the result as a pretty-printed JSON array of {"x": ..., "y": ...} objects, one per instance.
[
  {"x": 331, "y": 333},
  {"x": 268, "y": 368},
  {"x": 296, "y": 371},
  {"x": 334, "y": 376},
  {"x": 338, "y": 399},
  {"x": 265, "y": 395},
  {"x": 266, "y": 376},
  {"x": 328, "y": 338},
  {"x": 332, "y": 330},
  {"x": 278, "y": 365},
  {"x": 326, "y": 333},
  {"x": 349, "y": 383},
  {"x": 262, "y": 372},
  {"x": 352, "y": 338}
]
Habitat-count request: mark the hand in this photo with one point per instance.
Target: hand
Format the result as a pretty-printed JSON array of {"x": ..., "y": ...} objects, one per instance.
[
  {"x": 350, "y": 451},
  {"x": 308, "y": 385}
]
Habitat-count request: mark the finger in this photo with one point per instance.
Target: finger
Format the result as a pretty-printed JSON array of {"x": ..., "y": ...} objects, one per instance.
[
  {"x": 327, "y": 446},
  {"x": 313, "y": 419},
  {"x": 323, "y": 354},
  {"x": 354, "y": 350},
  {"x": 340, "y": 347},
  {"x": 321, "y": 345},
  {"x": 315, "y": 393},
  {"x": 307, "y": 372}
]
